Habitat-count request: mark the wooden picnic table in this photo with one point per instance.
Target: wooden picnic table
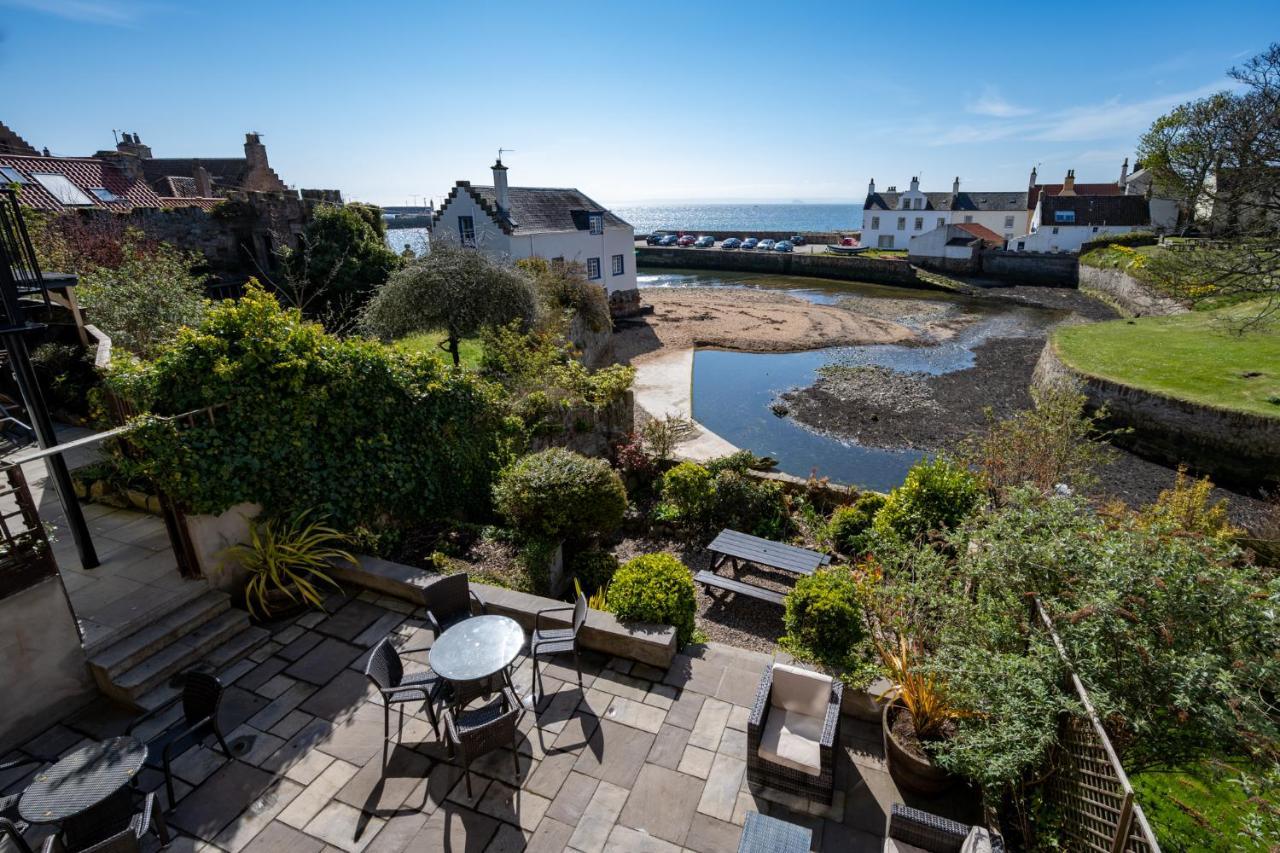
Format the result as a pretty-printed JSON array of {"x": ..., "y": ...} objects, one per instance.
[{"x": 735, "y": 547}]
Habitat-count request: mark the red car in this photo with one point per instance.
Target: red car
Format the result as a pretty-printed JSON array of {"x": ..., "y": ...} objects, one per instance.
[{"x": 686, "y": 241}]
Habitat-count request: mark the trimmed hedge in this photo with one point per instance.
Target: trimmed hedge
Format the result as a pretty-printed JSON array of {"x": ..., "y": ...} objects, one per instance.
[
  {"x": 655, "y": 588},
  {"x": 822, "y": 616},
  {"x": 935, "y": 496},
  {"x": 850, "y": 526},
  {"x": 560, "y": 494}
]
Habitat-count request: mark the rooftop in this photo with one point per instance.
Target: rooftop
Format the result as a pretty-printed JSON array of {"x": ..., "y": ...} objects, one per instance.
[{"x": 533, "y": 210}]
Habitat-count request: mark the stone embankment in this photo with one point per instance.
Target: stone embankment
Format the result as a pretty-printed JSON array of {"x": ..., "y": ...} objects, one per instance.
[
  {"x": 1126, "y": 293},
  {"x": 838, "y": 267}
]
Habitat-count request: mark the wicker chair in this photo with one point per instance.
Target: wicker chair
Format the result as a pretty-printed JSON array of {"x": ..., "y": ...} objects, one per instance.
[
  {"x": 450, "y": 599},
  {"x": 792, "y": 732},
  {"x": 386, "y": 671},
  {"x": 482, "y": 730},
  {"x": 201, "y": 699},
  {"x": 912, "y": 829},
  {"x": 112, "y": 826},
  {"x": 10, "y": 829},
  {"x": 555, "y": 641}
]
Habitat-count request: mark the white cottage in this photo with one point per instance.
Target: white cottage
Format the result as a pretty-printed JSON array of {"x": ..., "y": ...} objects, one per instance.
[
  {"x": 552, "y": 223},
  {"x": 1064, "y": 223},
  {"x": 890, "y": 219}
]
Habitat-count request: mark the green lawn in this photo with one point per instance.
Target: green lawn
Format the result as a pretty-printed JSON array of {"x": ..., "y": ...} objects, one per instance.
[
  {"x": 1208, "y": 807},
  {"x": 469, "y": 349},
  {"x": 1197, "y": 356}
]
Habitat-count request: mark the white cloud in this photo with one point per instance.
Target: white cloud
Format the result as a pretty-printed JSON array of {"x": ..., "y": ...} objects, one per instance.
[{"x": 993, "y": 104}]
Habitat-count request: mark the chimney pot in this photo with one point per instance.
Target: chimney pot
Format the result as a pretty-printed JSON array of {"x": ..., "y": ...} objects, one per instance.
[
  {"x": 955, "y": 186},
  {"x": 500, "y": 186},
  {"x": 871, "y": 187}
]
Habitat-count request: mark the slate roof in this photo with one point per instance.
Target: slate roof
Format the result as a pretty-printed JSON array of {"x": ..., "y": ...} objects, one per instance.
[
  {"x": 225, "y": 173},
  {"x": 536, "y": 209},
  {"x": 1081, "y": 189},
  {"x": 981, "y": 201},
  {"x": 86, "y": 173},
  {"x": 1097, "y": 209}
]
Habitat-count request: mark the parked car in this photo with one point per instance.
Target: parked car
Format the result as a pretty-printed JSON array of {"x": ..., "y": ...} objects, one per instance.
[
  {"x": 750, "y": 243},
  {"x": 731, "y": 243},
  {"x": 765, "y": 245},
  {"x": 704, "y": 242},
  {"x": 796, "y": 240},
  {"x": 668, "y": 240},
  {"x": 655, "y": 238},
  {"x": 782, "y": 246},
  {"x": 686, "y": 240}
]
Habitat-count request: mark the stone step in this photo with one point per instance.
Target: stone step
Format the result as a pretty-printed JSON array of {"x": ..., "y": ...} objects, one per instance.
[
  {"x": 135, "y": 648},
  {"x": 217, "y": 661},
  {"x": 176, "y": 656},
  {"x": 151, "y": 608}
]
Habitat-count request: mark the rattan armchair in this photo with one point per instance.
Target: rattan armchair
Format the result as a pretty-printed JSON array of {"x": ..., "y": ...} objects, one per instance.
[
  {"x": 924, "y": 831},
  {"x": 792, "y": 733},
  {"x": 112, "y": 826},
  {"x": 386, "y": 671},
  {"x": 555, "y": 641},
  {"x": 450, "y": 599},
  {"x": 201, "y": 700},
  {"x": 474, "y": 733}
]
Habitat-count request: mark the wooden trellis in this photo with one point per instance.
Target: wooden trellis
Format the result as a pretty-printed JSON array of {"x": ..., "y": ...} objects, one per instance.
[{"x": 25, "y": 555}]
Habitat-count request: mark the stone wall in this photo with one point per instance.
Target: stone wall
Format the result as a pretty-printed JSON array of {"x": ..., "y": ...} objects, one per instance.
[
  {"x": 1047, "y": 269},
  {"x": 1234, "y": 448},
  {"x": 838, "y": 267},
  {"x": 816, "y": 237},
  {"x": 587, "y": 431},
  {"x": 1126, "y": 293},
  {"x": 971, "y": 265}
]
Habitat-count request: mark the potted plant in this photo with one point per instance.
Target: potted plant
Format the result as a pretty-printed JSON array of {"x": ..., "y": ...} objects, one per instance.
[
  {"x": 285, "y": 562},
  {"x": 919, "y": 714}
]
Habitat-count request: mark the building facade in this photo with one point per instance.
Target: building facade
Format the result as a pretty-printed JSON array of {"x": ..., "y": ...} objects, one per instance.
[
  {"x": 891, "y": 218},
  {"x": 524, "y": 222},
  {"x": 1065, "y": 222}
]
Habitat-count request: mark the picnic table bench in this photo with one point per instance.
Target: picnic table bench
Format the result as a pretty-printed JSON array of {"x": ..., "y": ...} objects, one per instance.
[{"x": 735, "y": 548}]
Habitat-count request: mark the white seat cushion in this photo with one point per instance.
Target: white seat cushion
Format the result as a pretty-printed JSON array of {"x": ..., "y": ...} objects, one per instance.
[
  {"x": 978, "y": 841},
  {"x": 800, "y": 690},
  {"x": 792, "y": 740},
  {"x": 893, "y": 845}
]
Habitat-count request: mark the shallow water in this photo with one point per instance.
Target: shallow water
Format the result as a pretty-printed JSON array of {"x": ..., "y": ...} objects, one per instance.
[{"x": 732, "y": 391}]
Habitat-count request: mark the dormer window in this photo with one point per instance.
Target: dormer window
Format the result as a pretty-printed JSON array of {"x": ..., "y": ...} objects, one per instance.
[
  {"x": 906, "y": 204},
  {"x": 596, "y": 222},
  {"x": 1065, "y": 216},
  {"x": 919, "y": 203}
]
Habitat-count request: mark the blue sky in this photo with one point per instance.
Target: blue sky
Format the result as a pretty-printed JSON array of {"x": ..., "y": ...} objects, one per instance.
[{"x": 629, "y": 102}]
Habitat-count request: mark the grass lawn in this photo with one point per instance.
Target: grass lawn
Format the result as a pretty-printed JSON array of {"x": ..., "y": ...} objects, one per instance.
[
  {"x": 469, "y": 349},
  {"x": 1205, "y": 807},
  {"x": 883, "y": 254},
  {"x": 1194, "y": 356}
]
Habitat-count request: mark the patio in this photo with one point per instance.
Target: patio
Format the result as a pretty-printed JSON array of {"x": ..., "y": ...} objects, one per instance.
[{"x": 640, "y": 759}]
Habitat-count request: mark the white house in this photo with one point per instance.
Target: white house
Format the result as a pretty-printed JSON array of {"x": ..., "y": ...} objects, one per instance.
[
  {"x": 954, "y": 247},
  {"x": 543, "y": 222},
  {"x": 1063, "y": 223},
  {"x": 890, "y": 219}
]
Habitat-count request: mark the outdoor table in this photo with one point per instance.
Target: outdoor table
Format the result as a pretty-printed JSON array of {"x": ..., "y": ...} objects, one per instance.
[
  {"x": 476, "y": 649},
  {"x": 82, "y": 780},
  {"x": 764, "y": 834},
  {"x": 735, "y": 546}
]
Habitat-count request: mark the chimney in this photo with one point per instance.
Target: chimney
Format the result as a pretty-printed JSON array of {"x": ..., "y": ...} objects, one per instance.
[
  {"x": 1124, "y": 171},
  {"x": 871, "y": 187},
  {"x": 255, "y": 152},
  {"x": 131, "y": 144},
  {"x": 915, "y": 185},
  {"x": 500, "y": 185},
  {"x": 204, "y": 184},
  {"x": 1033, "y": 178},
  {"x": 1069, "y": 184},
  {"x": 955, "y": 186}
]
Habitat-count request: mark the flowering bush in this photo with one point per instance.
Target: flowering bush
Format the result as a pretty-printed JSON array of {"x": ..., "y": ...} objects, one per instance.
[{"x": 655, "y": 588}]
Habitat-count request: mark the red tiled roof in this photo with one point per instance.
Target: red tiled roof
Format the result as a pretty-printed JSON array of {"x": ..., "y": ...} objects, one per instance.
[
  {"x": 85, "y": 173},
  {"x": 1081, "y": 189},
  {"x": 982, "y": 232}
]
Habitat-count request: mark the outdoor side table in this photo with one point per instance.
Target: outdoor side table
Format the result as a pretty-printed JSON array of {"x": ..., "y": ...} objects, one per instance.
[
  {"x": 476, "y": 649},
  {"x": 82, "y": 780},
  {"x": 764, "y": 834}
]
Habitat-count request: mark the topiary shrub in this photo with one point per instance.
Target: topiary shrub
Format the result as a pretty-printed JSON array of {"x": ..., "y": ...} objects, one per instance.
[
  {"x": 655, "y": 588},
  {"x": 850, "y": 526},
  {"x": 560, "y": 494},
  {"x": 593, "y": 569},
  {"x": 688, "y": 490},
  {"x": 742, "y": 502},
  {"x": 936, "y": 495},
  {"x": 822, "y": 616}
]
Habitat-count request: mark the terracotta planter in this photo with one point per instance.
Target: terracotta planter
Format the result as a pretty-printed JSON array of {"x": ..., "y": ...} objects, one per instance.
[{"x": 911, "y": 772}]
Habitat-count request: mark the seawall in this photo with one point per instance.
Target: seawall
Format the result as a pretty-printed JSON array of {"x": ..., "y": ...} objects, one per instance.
[
  {"x": 1126, "y": 293},
  {"x": 816, "y": 237},
  {"x": 1236, "y": 449},
  {"x": 1047, "y": 269},
  {"x": 838, "y": 267}
]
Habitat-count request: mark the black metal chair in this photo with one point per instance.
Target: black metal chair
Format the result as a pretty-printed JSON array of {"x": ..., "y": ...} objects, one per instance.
[
  {"x": 555, "y": 641},
  {"x": 9, "y": 828},
  {"x": 112, "y": 826},
  {"x": 9, "y": 802},
  {"x": 480, "y": 731},
  {"x": 201, "y": 698},
  {"x": 450, "y": 599},
  {"x": 386, "y": 671}
]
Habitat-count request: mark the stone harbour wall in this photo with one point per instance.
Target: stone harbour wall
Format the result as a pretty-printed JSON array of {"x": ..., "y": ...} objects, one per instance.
[
  {"x": 838, "y": 267},
  {"x": 1126, "y": 293},
  {"x": 1047, "y": 269}
]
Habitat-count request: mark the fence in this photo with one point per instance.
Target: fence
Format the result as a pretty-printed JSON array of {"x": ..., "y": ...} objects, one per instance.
[
  {"x": 1099, "y": 812},
  {"x": 25, "y": 556}
]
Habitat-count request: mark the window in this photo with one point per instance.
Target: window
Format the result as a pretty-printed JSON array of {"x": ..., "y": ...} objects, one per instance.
[
  {"x": 1055, "y": 230},
  {"x": 617, "y": 265},
  {"x": 919, "y": 222},
  {"x": 596, "y": 220},
  {"x": 104, "y": 194},
  {"x": 1064, "y": 216},
  {"x": 875, "y": 223},
  {"x": 12, "y": 175},
  {"x": 902, "y": 223},
  {"x": 906, "y": 204},
  {"x": 919, "y": 204},
  {"x": 942, "y": 220},
  {"x": 1008, "y": 235},
  {"x": 1022, "y": 244},
  {"x": 968, "y": 217},
  {"x": 1095, "y": 229},
  {"x": 593, "y": 268},
  {"x": 62, "y": 189},
  {"x": 885, "y": 241},
  {"x": 1008, "y": 222},
  {"x": 467, "y": 231}
]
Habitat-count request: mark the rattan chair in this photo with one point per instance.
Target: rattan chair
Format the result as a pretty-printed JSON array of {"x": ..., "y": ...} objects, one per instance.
[
  {"x": 201, "y": 700},
  {"x": 386, "y": 671},
  {"x": 477, "y": 732},
  {"x": 555, "y": 641},
  {"x": 786, "y": 721},
  {"x": 10, "y": 829},
  {"x": 112, "y": 826},
  {"x": 924, "y": 831},
  {"x": 450, "y": 599}
]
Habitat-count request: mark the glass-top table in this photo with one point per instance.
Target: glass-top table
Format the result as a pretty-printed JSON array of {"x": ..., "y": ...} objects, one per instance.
[
  {"x": 81, "y": 780},
  {"x": 476, "y": 648}
]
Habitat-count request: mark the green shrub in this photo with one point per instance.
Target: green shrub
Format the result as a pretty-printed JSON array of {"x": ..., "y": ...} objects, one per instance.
[
  {"x": 560, "y": 494},
  {"x": 936, "y": 496},
  {"x": 655, "y": 588},
  {"x": 688, "y": 489},
  {"x": 822, "y": 616},
  {"x": 593, "y": 569},
  {"x": 850, "y": 526},
  {"x": 742, "y": 502}
]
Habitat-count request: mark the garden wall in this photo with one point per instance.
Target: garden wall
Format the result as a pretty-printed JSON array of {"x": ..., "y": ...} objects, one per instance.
[
  {"x": 1049, "y": 269},
  {"x": 587, "y": 431},
  {"x": 839, "y": 267},
  {"x": 1234, "y": 448},
  {"x": 1122, "y": 290}
]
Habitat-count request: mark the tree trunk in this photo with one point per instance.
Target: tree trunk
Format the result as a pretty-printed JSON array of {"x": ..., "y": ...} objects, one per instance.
[{"x": 453, "y": 350}]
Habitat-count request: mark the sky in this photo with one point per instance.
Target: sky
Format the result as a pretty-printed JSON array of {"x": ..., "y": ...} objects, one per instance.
[{"x": 632, "y": 103}]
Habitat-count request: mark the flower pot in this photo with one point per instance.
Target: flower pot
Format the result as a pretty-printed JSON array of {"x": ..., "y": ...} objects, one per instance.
[
  {"x": 911, "y": 771},
  {"x": 277, "y": 604}
]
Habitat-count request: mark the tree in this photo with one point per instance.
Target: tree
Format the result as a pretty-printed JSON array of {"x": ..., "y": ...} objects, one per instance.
[
  {"x": 455, "y": 290},
  {"x": 342, "y": 259},
  {"x": 564, "y": 289}
]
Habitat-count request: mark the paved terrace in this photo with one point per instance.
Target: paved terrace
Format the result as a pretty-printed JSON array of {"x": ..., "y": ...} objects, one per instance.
[{"x": 642, "y": 759}]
